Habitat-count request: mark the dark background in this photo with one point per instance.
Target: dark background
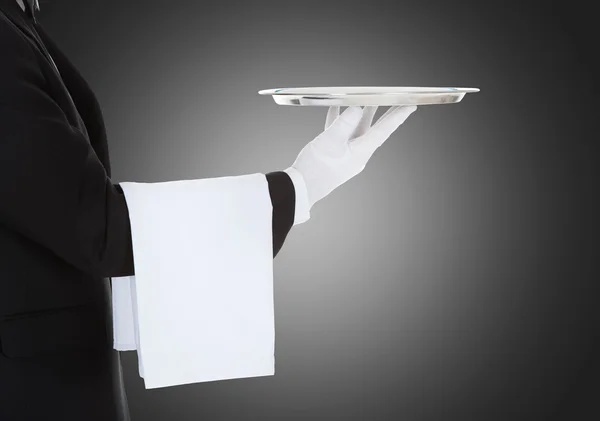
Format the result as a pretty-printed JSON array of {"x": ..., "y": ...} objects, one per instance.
[{"x": 453, "y": 279}]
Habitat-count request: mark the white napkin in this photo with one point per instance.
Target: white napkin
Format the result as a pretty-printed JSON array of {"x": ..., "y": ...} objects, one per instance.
[{"x": 200, "y": 306}]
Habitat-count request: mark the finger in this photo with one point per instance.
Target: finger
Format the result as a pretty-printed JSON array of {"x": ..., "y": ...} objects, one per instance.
[
  {"x": 366, "y": 120},
  {"x": 344, "y": 126},
  {"x": 332, "y": 114},
  {"x": 389, "y": 110},
  {"x": 383, "y": 129},
  {"x": 387, "y": 113},
  {"x": 397, "y": 114}
]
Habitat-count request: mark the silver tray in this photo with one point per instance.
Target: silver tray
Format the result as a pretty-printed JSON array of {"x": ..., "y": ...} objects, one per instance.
[{"x": 366, "y": 95}]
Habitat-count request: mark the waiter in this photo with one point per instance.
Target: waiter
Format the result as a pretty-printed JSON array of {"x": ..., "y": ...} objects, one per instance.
[{"x": 65, "y": 227}]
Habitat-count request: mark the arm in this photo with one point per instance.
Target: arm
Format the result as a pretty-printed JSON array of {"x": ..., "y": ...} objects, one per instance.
[
  {"x": 281, "y": 191},
  {"x": 53, "y": 188}
]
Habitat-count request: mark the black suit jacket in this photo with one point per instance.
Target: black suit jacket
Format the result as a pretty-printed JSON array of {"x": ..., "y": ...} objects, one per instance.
[{"x": 64, "y": 232}]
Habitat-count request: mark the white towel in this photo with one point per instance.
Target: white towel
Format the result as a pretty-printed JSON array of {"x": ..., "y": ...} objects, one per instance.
[{"x": 200, "y": 306}]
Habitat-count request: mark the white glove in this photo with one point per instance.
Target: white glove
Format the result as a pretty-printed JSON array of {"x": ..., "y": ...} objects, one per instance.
[{"x": 344, "y": 148}]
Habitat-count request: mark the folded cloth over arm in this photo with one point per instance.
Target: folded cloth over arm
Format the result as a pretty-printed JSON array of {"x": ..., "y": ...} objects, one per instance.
[{"x": 202, "y": 294}]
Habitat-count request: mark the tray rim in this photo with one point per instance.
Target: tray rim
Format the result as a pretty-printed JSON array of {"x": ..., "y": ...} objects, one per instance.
[{"x": 441, "y": 90}]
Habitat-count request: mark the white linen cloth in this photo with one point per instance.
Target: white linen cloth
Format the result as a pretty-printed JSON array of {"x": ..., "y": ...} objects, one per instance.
[{"x": 200, "y": 306}]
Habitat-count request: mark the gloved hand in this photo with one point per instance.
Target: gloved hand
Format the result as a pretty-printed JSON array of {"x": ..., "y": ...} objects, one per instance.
[{"x": 344, "y": 148}]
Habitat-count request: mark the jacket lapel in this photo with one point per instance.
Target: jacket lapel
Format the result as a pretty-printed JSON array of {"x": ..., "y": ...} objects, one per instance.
[
  {"x": 76, "y": 97},
  {"x": 33, "y": 5},
  {"x": 82, "y": 95},
  {"x": 19, "y": 19}
]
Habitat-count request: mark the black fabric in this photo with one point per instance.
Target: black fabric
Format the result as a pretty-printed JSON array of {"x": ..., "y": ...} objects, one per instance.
[
  {"x": 64, "y": 232},
  {"x": 283, "y": 198}
]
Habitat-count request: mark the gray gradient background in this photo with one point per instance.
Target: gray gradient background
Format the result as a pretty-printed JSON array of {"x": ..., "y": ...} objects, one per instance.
[{"x": 451, "y": 279}]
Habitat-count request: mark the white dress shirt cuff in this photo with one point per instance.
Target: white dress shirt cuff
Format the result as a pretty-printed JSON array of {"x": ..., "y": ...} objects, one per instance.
[{"x": 302, "y": 210}]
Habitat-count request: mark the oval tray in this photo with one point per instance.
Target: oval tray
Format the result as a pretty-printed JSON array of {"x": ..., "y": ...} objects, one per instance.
[{"x": 366, "y": 95}]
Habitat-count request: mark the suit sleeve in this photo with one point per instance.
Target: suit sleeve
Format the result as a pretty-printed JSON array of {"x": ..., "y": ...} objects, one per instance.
[
  {"x": 283, "y": 198},
  {"x": 54, "y": 189}
]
